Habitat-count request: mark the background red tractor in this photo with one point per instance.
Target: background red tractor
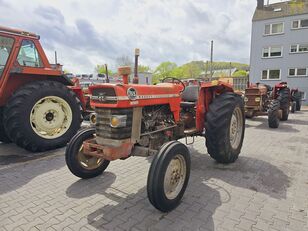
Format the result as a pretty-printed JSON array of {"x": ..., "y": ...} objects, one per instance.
[
  {"x": 40, "y": 108},
  {"x": 262, "y": 99},
  {"x": 144, "y": 120}
]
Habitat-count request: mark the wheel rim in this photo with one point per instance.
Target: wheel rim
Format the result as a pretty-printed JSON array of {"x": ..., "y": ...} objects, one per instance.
[
  {"x": 236, "y": 128},
  {"x": 175, "y": 177},
  {"x": 51, "y": 117},
  {"x": 88, "y": 162}
]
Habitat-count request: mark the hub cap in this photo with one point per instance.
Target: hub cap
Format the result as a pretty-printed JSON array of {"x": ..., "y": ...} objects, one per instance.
[
  {"x": 175, "y": 177},
  {"x": 88, "y": 162},
  {"x": 236, "y": 128},
  {"x": 51, "y": 117}
]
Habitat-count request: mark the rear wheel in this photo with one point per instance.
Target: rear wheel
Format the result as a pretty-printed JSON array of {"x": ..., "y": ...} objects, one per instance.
[
  {"x": 42, "y": 115},
  {"x": 284, "y": 98},
  {"x": 168, "y": 176},
  {"x": 273, "y": 114},
  {"x": 80, "y": 164},
  {"x": 3, "y": 136},
  {"x": 225, "y": 127}
]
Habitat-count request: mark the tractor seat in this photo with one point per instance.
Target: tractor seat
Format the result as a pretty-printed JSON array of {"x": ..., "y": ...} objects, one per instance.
[{"x": 190, "y": 96}]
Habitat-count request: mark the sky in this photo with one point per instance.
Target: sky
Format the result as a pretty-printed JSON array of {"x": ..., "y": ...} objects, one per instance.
[{"x": 89, "y": 32}]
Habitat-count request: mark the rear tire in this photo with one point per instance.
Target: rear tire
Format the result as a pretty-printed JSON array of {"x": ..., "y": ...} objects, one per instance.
[
  {"x": 42, "y": 115},
  {"x": 168, "y": 176},
  {"x": 284, "y": 98},
  {"x": 273, "y": 114},
  {"x": 79, "y": 164},
  {"x": 225, "y": 127},
  {"x": 3, "y": 136}
]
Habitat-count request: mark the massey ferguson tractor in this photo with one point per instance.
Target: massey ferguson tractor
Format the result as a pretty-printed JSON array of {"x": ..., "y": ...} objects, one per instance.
[
  {"x": 264, "y": 100},
  {"x": 38, "y": 111},
  {"x": 145, "y": 120}
]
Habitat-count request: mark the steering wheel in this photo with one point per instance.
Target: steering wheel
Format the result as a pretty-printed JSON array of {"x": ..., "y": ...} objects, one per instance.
[{"x": 173, "y": 81}]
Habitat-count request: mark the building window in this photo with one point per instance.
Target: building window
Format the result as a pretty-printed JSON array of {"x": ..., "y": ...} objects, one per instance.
[
  {"x": 298, "y": 24},
  {"x": 270, "y": 75},
  {"x": 272, "y": 29},
  {"x": 272, "y": 52},
  {"x": 299, "y": 48},
  {"x": 294, "y": 72}
]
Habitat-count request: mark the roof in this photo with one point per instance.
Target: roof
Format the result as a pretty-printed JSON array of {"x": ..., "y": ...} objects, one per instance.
[
  {"x": 221, "y": 72},
  {"x": 282, "y": 9},
  {"x": 18, "y": 32}
]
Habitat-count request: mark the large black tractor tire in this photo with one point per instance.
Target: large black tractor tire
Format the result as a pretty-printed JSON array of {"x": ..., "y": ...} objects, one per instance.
[
  {"x": 42, "y": 115},
  {"x": 82, "y": 165},
  {"x": 168, "y": 176},
  {"x": 284, "y": 99},
  {"x": 3, "y": 136},
  {"x": 273, "y": 114},
  {"x": 225, "y": 128}
]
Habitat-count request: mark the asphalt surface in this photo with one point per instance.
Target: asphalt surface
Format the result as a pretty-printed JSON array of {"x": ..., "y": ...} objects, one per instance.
[{"x": 265, "y": 189}]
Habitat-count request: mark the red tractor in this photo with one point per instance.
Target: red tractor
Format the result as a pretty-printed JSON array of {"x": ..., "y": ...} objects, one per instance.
[
  {"x": 40, "y": 108},
  {"x": 275, "y": 102},
  {"x": 145, "y": 120}
]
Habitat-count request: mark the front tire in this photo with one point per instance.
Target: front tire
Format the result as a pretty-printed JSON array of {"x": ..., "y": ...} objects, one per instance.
[
  {"x": 273, "y": 114},
  {"x": 284, "y": 98},
  {"x": 82, "y": 165},
  {"x": 225, "y": 127},
  {"x": 168, "y": 176},
  {"x": 42, "y": 115}
]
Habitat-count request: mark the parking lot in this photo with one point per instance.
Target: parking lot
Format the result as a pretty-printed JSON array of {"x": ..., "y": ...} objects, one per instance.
[{"x": 266, "y": 189}]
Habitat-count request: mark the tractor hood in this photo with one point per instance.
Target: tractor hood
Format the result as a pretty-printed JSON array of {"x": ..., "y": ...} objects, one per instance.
[{"x": 134, "y": 95}]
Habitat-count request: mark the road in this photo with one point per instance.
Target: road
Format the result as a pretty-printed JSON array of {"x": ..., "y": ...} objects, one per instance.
[{"x": 266, "y": 189}]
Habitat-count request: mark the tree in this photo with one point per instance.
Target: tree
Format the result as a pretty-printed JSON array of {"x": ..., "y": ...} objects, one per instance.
[
  {"x": 124, "y": 60},
  {"x": 101, "y": 69},
  {"x": 143, "y": 68},
  {"x": 163, "y": 70},
  {"x": 240, "y": 73}
]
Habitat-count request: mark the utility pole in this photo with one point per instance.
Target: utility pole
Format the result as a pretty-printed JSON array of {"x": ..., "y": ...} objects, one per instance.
[
  {"x": 136, "y": 79},
  {"x": 107, "y": 76},
  {"x": 211, "y": 65}
]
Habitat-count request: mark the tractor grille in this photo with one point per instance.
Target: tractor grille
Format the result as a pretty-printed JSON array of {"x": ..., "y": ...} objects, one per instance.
[
  {"x": 104, "y": 95},
  {"x": 103, "y": 128},
  {"x": 250, "y": 97}
]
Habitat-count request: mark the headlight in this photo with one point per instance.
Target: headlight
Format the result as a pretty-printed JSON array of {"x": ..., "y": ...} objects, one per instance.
[
  {"x": 258, "y": 99},
  {"x": 117, "y": 121},
  {"x": 245, "y": 99},
  {"x": 92, "y": 118}
]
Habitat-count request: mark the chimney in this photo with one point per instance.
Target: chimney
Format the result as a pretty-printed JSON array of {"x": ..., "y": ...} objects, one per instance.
[{"x": 260, "y": 4}]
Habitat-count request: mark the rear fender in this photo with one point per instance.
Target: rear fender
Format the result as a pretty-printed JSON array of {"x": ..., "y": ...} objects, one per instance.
[
  {"x": 79, "y": 93},
  {"x": 207, "y": 93}
]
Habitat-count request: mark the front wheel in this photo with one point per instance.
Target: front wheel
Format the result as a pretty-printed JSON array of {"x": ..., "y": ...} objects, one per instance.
[
  {"x": 168, "y": 176},
  {"x": 80, "y": 164},
  {"x": 273, "y": 114},
  {"x": 225, "y": 127}
]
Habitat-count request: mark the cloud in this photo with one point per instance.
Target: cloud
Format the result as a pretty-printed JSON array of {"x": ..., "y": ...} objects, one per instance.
[{"x": 86, "y": 33}]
